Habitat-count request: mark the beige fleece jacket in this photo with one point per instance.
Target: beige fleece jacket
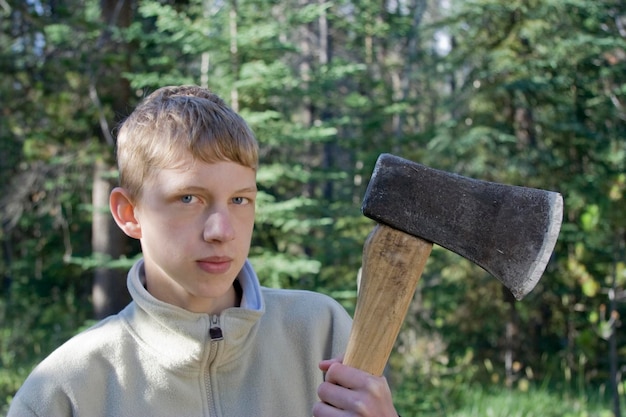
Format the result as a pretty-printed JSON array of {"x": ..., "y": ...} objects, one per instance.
[{"x": 154, "y": 359}]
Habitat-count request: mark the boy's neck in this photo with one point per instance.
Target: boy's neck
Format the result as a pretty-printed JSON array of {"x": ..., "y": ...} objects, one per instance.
[
  {"x": 212, "y": 306},
  {"x": 215, "y": 306}
]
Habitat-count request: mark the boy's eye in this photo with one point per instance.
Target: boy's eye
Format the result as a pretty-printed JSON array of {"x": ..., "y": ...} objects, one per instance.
[
  {"x": 186, "y": 199},
  {"x": 240, "y": 200}
]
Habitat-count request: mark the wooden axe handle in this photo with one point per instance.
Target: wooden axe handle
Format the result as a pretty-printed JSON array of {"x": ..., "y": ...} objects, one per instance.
[{"x": 393, "y": 262}]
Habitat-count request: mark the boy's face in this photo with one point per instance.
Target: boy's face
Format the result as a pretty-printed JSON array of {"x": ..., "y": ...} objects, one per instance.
[{"x": 195, "y": 225}]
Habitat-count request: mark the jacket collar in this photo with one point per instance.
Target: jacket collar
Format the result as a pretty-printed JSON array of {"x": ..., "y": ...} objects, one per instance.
[{"x": 180, "y": 338}]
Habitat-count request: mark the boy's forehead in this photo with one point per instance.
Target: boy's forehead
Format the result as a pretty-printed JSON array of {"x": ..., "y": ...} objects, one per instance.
[{"x": 197, "y": 174}]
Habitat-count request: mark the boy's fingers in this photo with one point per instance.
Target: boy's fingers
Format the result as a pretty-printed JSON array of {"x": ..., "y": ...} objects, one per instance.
[
  {"x": 338, "y": 400},
  {"x": 348, "y": 377},
  {"x": 325, "y": 364},
  {"x": 356, "y": 392},
  {"x": 337, "y": 391},
  {"x": 325, "y": 410}
]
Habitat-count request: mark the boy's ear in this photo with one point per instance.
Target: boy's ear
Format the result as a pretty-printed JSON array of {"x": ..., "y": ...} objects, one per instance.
[{"x": 123, "y": 211}]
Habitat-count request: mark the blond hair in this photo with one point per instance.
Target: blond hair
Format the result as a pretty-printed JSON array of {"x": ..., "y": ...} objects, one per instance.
[{"x": 174, "y": 122}]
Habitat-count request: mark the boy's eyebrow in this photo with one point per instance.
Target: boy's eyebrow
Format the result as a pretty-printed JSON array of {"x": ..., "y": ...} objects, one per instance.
[
  {"x": 195, "y": 188},
  {"x": 252, "y": 189}
]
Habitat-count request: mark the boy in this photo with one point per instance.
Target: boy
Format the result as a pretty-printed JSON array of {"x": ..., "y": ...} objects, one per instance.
[{"x": 201, "y": 337}]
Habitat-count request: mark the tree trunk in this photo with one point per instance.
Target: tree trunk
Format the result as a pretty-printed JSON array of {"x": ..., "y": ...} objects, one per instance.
[
  {"x": 510, "y": 341},
  {"x": 234, "y": 54},
  {"x": 614, "y": 320},
  {"x": 109, "y": 291}
]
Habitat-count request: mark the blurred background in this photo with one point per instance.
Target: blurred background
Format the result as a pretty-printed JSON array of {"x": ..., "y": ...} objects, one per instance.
[{"x": 524, "y": 92}]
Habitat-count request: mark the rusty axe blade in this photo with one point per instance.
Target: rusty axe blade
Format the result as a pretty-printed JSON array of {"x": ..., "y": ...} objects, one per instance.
[{"x": 509, "y": 231}]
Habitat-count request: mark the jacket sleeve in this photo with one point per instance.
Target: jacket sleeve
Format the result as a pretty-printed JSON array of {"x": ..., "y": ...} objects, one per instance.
[{"x": 30, "y": 402}]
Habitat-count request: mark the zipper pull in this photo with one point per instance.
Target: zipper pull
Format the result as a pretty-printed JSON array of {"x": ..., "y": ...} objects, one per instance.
[{"x": 215, "y": 331}]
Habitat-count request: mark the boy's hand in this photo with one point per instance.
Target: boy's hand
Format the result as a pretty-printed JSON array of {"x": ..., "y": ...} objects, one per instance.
[{"x": 351, "y": 392}]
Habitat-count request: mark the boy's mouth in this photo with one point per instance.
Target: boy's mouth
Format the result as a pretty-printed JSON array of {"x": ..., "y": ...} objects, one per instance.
[{"x": 215, "y": 264}]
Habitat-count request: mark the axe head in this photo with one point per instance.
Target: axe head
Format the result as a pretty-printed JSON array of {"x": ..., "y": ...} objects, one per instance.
[{"x": 509, "y": 231}]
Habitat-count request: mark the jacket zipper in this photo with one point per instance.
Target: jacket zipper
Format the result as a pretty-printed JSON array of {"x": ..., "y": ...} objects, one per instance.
[
  {"x": 215, "y": 336},
  {"x": 215, "y": 331}
]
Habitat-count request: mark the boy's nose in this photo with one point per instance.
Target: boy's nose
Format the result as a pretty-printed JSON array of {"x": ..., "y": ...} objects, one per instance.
[{"x": 218, "y": 227}]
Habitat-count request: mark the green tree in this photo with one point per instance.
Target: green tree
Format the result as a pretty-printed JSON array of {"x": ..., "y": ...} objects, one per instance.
[
  {"x": 538, "y": 101},
  {"x": 527, "y": 92},
  {"x": 47, "y": 142}
]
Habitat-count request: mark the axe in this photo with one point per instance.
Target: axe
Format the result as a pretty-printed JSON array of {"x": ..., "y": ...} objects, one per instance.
[{"x": 509, "y": 231}]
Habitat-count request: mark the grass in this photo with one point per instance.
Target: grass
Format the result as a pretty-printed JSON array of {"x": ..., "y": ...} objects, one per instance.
[
  {"x": 481, "y": 394},
  {"x": 535, "y": 402}
]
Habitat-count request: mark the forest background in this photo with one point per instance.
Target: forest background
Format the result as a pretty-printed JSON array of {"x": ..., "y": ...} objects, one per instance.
[{"x": 523, "y": 92}]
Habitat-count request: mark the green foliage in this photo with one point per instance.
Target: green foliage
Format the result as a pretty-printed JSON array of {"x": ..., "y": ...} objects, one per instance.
[
  {"x": 48, "y": 149},
  {"x": 529, "y": 93},
  {"x": 532, "y": 402},
  {"x": 539, "y": 106}
]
